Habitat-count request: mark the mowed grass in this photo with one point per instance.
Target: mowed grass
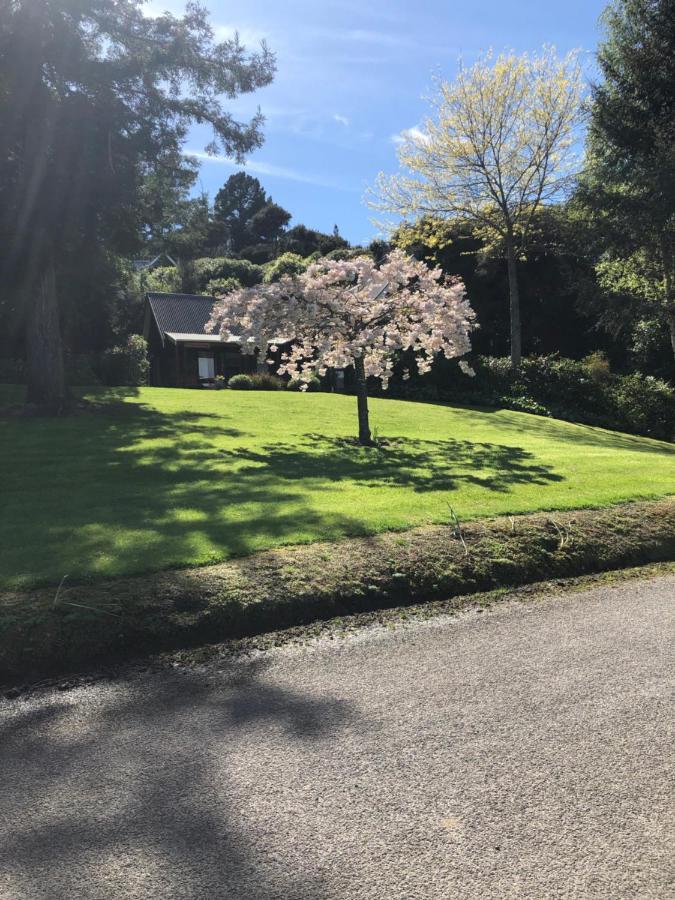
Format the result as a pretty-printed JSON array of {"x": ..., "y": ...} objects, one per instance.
[{"x": 157, "y": 478}]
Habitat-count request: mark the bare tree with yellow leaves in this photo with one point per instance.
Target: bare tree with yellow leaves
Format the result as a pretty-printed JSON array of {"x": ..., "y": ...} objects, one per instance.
[{"x": 499, "y": 144}]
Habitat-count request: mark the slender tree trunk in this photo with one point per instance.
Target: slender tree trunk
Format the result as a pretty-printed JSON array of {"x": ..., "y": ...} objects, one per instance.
[
  {"x": 514, "y": 302},
  {"x": 46, "y": 376},
  {"x": 362, "y": 403},
  {"x": 671, "y": 326},
  {"x": 668, "y": 264}
]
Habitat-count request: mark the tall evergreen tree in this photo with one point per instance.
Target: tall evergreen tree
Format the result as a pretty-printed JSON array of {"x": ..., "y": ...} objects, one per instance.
[
  {"x": 628, "y": 189},
  {"x": 235, "y": 204},
  {"x": 94, "y": 96}
]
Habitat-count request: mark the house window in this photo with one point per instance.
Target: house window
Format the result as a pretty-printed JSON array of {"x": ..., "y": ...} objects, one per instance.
[{"x": 207, "y": 366}]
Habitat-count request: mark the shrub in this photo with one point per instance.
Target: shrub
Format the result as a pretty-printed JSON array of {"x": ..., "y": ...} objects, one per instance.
[
  {"x": 258, "y": 253},
  {"x": 296, "y": 385},
  {"x": 219, "y": 286},
  {"x": 126, "y": 364},
  {"x": 644, "y": 405},
  {"x": 221, "y": 267},
  {"x": 266, "y": 382},
  {"x": 597, "y": 366},
  {"x": 286, "y": 264},
  {"x": 579, "y": 391},
  {"x": 164, "y": 280},
  {"x": 342, "y": 253},
  {"x": 240, "y": 382}
]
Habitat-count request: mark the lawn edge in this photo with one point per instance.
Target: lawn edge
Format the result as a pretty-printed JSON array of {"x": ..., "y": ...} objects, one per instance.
[{"x": 42, "y": 634}]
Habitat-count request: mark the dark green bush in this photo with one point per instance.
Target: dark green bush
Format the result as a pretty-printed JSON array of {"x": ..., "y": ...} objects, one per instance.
[
  {"x": 266, "y": 382},
  {"x": 219, "y": 286},
  {"x": 579, "y": 391},
  {"x": 220, "y": 268},
  {"x": 126, "y": 364},
  {"x": 296, "y": 385},
  {"x": 644, "y": 405},
  {"x": 286, "y": 264},
  {"x": 240, "y": 383}
]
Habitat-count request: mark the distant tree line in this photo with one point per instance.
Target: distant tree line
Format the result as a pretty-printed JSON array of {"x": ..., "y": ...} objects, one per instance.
[{"x": 585, "y": 246}]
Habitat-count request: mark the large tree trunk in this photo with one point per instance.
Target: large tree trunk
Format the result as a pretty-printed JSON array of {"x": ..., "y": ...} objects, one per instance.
[
  {"x": 362, "y": 403},
  {"x": 47, "y": 390},
  {"x": 514, "y": 302}
]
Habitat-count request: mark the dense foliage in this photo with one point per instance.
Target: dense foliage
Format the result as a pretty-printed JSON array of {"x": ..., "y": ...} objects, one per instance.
[
  {"x": 126, "y": 364},
  {"x": 104, "y": 141},
  {"x": 497, "y": 147},
  {"x": 627, "y": 193},
  {"x": 95, "y": 98},
  {"x": 578, "y": 391}
]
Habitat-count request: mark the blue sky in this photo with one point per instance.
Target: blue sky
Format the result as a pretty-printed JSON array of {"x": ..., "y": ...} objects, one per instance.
[{"x": 352, "y": 74}]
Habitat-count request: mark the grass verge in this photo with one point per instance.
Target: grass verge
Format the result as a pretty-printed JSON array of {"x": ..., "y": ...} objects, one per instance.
[
  {"x": 45, "y": 632},
  {"x": 149, "y": 479}
]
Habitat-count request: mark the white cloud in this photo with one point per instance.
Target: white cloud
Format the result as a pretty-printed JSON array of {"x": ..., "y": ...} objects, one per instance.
[
  {"x": 273, "y": 171},
  {"x": 343, "y": 120},
  {"x": 414, "y": 134}
]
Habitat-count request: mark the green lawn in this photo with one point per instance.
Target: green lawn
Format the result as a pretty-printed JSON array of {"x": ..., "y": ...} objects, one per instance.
[{"x": 159, "y": 478}]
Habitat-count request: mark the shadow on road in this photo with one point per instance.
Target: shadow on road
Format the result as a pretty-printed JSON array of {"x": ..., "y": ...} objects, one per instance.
[{"x": 121, "y": 809}]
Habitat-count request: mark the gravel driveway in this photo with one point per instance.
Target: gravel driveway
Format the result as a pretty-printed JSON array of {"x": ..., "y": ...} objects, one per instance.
[{"x": 521, "y": 752}]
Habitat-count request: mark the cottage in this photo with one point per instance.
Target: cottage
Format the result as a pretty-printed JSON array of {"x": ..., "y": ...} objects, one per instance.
[{"x": 181, "y": 353}]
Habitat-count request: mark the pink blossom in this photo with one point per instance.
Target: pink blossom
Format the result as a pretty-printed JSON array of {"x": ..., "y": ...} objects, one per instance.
[{"x": 341, "y": 311}]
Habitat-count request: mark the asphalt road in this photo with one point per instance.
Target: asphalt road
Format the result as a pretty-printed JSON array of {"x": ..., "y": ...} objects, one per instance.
[{"x": 522, "y": 752}]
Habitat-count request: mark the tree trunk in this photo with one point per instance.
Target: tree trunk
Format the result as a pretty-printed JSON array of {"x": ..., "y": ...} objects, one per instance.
[
  {"x": 671, "y": 326},
  {"x": 667, "y": 255},
  {"x": 514, "y": 302},
  {"x": 362, "y": 403},
  {"x": 46, "y": 377}
]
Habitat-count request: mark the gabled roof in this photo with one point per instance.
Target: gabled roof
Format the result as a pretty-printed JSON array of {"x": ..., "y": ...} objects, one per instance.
[
  {"x": 142, "y": 265},
  {"x": 182, "y": 318},
  {"x": 180, "y": 313}
]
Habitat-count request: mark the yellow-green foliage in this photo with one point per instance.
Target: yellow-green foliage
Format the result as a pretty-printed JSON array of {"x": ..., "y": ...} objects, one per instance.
[
  {"x": 497, "y": 144},
  {"x": 164, "y": 279}
]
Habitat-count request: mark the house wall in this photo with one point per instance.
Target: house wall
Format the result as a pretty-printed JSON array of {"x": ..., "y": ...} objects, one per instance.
[
  {"x": 176, "y": 365},
  {"x": 160, "y": 364}
]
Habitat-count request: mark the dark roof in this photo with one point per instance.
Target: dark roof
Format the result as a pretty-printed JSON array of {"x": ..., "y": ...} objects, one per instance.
[{"x": 180, "y": 313}]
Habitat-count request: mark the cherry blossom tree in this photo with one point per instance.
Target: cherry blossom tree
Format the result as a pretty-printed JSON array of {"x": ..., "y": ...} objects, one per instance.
[{"x": 352, "y": 312}]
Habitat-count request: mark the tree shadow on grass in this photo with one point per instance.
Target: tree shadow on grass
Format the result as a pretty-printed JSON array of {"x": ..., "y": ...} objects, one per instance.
[
  {"x": 137, "y": 490},
  {"x": 577, "y": 433},
  {"x": 162, "y": 788},
  {"x": 440, "y": 465},
  {"x": 129, "y": 489}
]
